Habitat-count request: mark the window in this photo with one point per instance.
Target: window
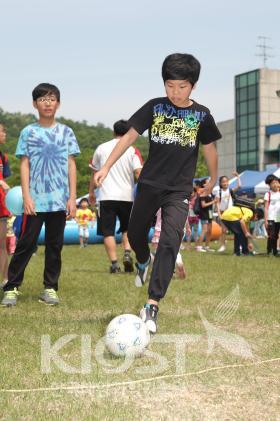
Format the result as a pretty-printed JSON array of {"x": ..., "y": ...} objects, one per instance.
[
  {"x": 252, "y": 157},
  {"x": 252, "y": 92},
  {"x": 253, "y": 78},
  {"x": 252, "y": 106},
  {"x": 252, "y": 143}
]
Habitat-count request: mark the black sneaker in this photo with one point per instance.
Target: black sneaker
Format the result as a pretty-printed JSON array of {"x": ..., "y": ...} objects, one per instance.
[
  {"x": 149, "y": 316},
  {"x": 115, "y": 269},
  {"x": 128, "y": 263}
]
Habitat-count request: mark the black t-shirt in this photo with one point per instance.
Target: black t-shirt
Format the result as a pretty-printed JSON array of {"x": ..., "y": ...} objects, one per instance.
[
  {"x": 206, "y": 213},
  {"x": 174, "y": 135}
]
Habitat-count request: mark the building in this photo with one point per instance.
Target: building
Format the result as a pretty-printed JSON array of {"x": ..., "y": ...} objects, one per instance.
[{"x": 251, "y": 141}]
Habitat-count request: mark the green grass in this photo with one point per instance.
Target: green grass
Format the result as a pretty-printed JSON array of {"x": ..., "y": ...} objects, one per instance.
[{"x": 91, "y": 297}]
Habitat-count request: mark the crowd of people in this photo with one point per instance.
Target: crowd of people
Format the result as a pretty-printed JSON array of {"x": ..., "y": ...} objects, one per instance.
[{"x": 165, "y": 194}]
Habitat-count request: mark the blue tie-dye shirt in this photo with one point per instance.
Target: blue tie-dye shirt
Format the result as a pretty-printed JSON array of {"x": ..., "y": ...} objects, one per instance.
[{"x": 48, "y": 150}]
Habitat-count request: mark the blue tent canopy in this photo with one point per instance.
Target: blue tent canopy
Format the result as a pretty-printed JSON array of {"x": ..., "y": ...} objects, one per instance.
[{"x": 249, "y": 179}]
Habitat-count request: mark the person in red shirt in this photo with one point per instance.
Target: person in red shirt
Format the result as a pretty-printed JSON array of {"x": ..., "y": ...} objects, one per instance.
[{"x": 4, "y": 213}]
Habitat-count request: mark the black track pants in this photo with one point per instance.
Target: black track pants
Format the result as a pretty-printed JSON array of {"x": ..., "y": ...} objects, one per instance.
[
  {"x": 174, "y": 206},
  {"x": 31, "y": 227}
]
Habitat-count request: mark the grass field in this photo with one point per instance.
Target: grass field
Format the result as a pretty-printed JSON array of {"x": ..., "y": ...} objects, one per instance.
[{"x": 227, "y": 310}]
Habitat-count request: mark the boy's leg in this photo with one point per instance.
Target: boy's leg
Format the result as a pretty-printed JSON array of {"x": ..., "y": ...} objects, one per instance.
[
  {"x": 3, "y": 250},
  {"x": 26, "y": 245},
  {"x": 174, "y": 215},
  {"x": 270, "y": 236},
  {"x": 54, "y": 235},
  {"x": 146, "y": 204}
]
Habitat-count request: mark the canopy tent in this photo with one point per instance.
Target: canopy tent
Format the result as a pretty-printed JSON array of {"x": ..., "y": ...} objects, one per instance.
[
  {"x": 262, "y": 188},
  {"x": 252, "y": 182}
]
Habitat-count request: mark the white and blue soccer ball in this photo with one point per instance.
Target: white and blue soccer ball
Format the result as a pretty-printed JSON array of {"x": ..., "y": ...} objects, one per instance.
[{"x": 127, "y": 336}]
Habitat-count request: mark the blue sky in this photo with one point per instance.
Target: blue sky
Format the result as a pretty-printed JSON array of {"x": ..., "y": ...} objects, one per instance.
[{"x": 106, "y": 56}]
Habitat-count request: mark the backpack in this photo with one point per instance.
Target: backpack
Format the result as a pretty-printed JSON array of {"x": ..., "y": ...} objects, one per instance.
[{"x": 244, "y": 203}]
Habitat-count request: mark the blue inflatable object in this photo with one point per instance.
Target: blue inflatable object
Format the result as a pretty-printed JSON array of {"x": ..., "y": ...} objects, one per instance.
[
  {"x": 14, "y": 201},
  {"x": 71, "y": 234}
]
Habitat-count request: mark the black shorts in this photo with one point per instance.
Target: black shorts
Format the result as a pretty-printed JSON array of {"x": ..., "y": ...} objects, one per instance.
[{"x": 109, "y": 211}]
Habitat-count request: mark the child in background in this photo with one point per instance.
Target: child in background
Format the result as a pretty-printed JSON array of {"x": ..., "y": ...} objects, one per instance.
[
  {"x": 225, "y": 201},
  {"x": 206, "y": 217},
  {"x": 46, "y": 150},
  {"x": 237, "y": 219},
  {"x": 180, "y": 268},
  {"x": 272, "y": 213},
  {"x": 11, "y": 238},
  {"x": 259, "y": 228},
  {"x": 83, "y": 217},
  {"x": 4, "y": 213},
  {"x": 193, "y": 221}
]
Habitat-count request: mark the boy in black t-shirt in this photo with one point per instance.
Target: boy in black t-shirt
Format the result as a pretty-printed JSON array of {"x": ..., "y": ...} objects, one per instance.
[{"x": 176, "y": 124}]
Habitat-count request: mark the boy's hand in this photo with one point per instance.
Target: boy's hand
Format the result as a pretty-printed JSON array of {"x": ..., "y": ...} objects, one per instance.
[
  {"x": 4, "y": 185},
  {"x": 235, "y": 173},
  {"x": 91, "y": 198},
  {"x": 29, "y": 206},
  {"x": 100, "y": 176},
  {"x": 207, "y": 189},
  {"x": 71, "y": 207}
]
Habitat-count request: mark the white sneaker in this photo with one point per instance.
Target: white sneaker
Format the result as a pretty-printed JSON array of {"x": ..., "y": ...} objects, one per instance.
[
  {"x": 207, "y": 248},
  {"x": 221, "y": 249},
  {"x": 200, "y": 248}
]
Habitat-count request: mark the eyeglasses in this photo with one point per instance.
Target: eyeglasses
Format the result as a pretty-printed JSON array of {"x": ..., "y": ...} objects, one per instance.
[{"x": 43, "y": 99}]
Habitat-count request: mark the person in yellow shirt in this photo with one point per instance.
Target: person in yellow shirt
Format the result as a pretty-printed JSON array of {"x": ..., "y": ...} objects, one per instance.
[
  {"x": 236, "y": 219},
  {"x": 83, "y": 217}
]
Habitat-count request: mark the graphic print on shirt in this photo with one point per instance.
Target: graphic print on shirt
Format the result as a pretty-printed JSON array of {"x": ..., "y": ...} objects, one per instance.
[{"x": 175, "y": 126}]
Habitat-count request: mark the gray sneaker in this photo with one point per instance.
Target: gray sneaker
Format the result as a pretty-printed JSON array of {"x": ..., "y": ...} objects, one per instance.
[
  {"x": 10, "y": 298},
  {"x": 49, "y": 297}
]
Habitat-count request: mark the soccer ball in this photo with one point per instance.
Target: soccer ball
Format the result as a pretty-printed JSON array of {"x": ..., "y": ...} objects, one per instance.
[{"x": 127, "y": 336}]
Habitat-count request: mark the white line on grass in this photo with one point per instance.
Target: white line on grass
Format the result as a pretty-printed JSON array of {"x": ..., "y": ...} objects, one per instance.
[{"x": 150, "y": 379}]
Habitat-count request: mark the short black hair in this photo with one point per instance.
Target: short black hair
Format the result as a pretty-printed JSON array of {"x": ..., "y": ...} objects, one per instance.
[
  {"x": 202, "y": 182},
  {"x": 83, "y": 199},
  {"x": 181, "y": 67},
  {"x": 270, "y": 178},
  {"x": 121, "y": 127},
  {"x": 45, "y": 89}
]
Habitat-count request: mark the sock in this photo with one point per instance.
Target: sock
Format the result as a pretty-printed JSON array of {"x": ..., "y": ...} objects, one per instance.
[
  {"x": 127, "y": 252},
  {"x": 152, "y": 307},
  {"x": 143, "y": 265},
  {"x": 115, "y": 263}
]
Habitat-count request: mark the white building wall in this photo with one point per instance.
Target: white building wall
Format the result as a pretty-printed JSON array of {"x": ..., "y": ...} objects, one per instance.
[
  {"x": 226, "y": 148},
  {"x": 269, "y": 109}
]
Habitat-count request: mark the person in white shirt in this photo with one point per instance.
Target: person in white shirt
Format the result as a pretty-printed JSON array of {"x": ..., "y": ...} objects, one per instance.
[
  {"x": 225, "y": 201},
  {"x": 272, "y": 213},
  {"x": 116, "y": 195}
]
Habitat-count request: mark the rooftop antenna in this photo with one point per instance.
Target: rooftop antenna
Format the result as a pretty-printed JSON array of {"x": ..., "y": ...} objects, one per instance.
[{"x": 263, "y": 49}]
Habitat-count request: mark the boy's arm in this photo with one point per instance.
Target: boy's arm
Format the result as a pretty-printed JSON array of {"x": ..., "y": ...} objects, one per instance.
[
  {"x": 122, "y": 145},
  {"x": 28, "y": 204},
  {"x": 238, "y": 182},
  {"x": 244, "y": 228},
  {"x": 91, "y": 195},
  {"x": 211, "y": 158},
  {"x": 72, "y": 177},
  {"x": 266, "y": 206}
]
